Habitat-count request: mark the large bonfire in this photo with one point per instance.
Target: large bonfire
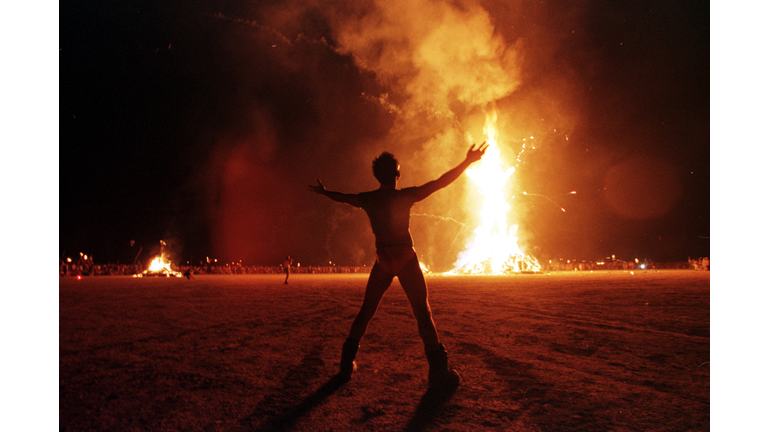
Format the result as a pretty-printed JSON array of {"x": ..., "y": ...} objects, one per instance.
[{"x": 493, "y": 249}]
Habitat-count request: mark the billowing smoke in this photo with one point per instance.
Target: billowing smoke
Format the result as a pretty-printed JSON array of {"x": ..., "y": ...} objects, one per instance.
[{"x": 435, "y": 53}]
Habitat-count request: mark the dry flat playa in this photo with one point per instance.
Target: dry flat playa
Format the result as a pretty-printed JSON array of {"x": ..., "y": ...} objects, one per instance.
[{"x": 602, "y": 351}]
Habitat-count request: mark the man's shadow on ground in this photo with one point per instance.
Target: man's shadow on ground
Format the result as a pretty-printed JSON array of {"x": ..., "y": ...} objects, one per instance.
[
  {"x": 286, "y": 419},
  {"x": 429, "y": 407}
]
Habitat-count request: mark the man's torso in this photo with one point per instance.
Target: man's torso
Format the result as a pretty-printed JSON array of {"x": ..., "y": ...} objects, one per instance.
[{"x": 389, "y": 212}]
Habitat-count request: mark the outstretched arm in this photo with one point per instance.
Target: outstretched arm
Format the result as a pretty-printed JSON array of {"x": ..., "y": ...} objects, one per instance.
[
  {"x": 350, "y": 199},
  {"x": 473, "y": 155}
]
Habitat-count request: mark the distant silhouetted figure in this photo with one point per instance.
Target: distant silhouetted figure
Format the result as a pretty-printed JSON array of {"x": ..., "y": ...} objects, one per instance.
[
  {"x": 287, "y": 267},
  {"x": 388, "y": 209}
]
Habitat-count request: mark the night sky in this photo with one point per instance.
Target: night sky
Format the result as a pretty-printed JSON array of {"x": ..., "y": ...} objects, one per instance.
[{"x": 201, "y": 123}]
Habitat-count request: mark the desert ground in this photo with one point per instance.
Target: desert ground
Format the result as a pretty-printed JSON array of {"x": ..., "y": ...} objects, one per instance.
[{"x": 569, "y": 351}]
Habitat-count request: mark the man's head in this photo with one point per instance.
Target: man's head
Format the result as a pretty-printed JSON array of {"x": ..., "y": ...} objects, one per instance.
[{"x": 386, "y": 169}]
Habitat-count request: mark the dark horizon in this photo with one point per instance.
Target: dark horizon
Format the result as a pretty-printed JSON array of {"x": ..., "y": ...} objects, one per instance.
[{"x": 203, "y": 125}]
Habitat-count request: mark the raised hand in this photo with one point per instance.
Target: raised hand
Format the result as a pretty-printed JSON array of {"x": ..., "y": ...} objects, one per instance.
[
  {"x": 319, "y": 189},
  {"x": 474, "y": 154}
]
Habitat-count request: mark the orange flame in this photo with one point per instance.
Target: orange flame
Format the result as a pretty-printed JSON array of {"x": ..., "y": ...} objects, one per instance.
[
  {"x": 159, "y": 267},
  {"x": 159, "y": 264},
  {"x": 493, "y": 250}
]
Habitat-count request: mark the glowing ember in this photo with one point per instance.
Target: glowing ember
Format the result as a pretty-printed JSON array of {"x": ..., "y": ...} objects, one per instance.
[{"x": 493, "y": 250}]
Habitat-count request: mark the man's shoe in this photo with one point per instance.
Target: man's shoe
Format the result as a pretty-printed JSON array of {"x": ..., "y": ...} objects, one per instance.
[
  {"x": 441, "y": 377},
  {"x": 348, "y": 365}
]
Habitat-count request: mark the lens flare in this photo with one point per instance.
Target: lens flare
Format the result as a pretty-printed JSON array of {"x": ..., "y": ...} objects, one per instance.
[{"x": 493, "y": 249}]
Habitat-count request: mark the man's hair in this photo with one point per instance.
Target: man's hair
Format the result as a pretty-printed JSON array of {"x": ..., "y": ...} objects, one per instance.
[{"x": 385, "y": 168}]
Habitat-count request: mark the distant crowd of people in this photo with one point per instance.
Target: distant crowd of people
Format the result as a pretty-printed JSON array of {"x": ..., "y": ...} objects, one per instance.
[
  {"x": 86, "y": 267},
  {"x": 701, "y": 264},
  {"x": 615, "y": 264},
  {"x": 276, "y": 269}
]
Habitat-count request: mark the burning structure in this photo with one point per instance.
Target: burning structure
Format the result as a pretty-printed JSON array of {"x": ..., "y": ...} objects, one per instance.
[{"x": 159, "y": 266}]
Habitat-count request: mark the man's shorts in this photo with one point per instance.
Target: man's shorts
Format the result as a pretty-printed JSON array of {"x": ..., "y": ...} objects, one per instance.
[{"x": 393, "y": 259}]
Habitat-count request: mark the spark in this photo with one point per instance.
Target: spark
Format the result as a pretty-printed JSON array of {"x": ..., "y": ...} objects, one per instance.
[
  {"x": 440, "y": 218},
  {"x": 547, "y": 198}
]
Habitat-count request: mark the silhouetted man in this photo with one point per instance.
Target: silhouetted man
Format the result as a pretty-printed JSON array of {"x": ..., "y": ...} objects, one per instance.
[{"x": 388, "y": 209}]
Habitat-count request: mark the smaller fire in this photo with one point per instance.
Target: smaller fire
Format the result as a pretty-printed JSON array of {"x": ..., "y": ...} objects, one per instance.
[
  {"x": 159, "y": 267},
  {"x": 159, "y": 264}
]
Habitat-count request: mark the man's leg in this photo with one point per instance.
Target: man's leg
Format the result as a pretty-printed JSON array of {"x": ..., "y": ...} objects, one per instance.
[
  {"x": 415, "y": 287},
  {"x": 378, "y": 282},
  {"x": 441, "y": 376}
]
